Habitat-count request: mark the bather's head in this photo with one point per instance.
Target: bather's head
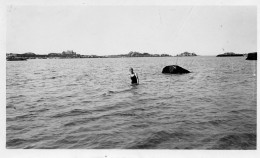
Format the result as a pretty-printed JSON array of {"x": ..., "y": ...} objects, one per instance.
[{"x": 131, "y": 70}]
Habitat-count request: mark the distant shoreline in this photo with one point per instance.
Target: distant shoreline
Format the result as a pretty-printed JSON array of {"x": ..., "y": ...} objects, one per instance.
[
  {"x": 186, "y": 54},
  {"x": 230, "y": 54},
  {"x": 72, "y": 54}
]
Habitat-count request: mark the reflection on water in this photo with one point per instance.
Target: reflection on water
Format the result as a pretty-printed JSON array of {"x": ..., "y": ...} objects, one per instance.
[{"x": 90, "y": 103}]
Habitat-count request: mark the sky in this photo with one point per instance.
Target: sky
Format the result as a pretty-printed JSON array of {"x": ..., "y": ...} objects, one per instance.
[{"x": 106, "y": 30}]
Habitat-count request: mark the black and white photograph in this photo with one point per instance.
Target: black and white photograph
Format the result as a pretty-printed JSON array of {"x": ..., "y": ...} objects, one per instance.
[{"x": 131, "y": 77}]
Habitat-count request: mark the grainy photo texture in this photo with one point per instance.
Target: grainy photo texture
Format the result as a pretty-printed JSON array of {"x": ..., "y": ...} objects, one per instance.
[{"x": 131, "y": 77}]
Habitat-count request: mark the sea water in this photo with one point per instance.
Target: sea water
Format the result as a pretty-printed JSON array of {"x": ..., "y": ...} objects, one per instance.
[{"x": 90, "y": 103}]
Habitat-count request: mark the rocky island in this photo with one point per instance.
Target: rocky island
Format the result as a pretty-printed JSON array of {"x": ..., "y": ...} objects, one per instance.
[
  {"x": 71, "y": 54},
  {"x": 186, "y": 54},
  {"x": 138, "y": 54},
  {"x": 229, "y": 54}
]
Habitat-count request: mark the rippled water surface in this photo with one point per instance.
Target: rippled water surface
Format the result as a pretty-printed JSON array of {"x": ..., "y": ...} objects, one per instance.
[{"x": 89, "y": 103}]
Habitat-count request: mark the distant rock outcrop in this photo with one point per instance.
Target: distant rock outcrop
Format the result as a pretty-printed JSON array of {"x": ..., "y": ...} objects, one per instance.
[
  {"x": 229, "y": 54},
  {"x": 252, "y": 56},
  {"x": 13, "y": 58},
  {"x": 138, "y": 54},
  {"x": 186, "y": 54},
  {"x": 174, "y": 69}
]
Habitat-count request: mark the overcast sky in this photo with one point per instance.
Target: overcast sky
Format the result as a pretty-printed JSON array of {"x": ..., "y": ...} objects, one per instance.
[{"x": 104, "y": 30}]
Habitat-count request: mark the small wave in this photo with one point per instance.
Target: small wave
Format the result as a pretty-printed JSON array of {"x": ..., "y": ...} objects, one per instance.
[
  {"x": 15, "y": 142},
  {"x": 22, "y": 117},
  {"x": 29, "y": 147},
  {"x": 157, "y": 138},
  {"x": 86, "y": 101},
  {"x": 125, "y": 114},
  {"x": 66, "y": 140},
  {"x": 81, "y": 77},
  {"x": 74, "y": 123},
  {"x": 192, "y": 77},
  {"x": 110, "y": 92},
  {"x": 10, "y": 106},
  {"x": 234, "y": 111},
  {"x": 140, "y": 125},
  {"x": 42, "y": 110},
  {"x": 81, "y": 121},
  {"x": 15, "y": 127},
  {"x": 243, "y": 111},
  {"x": 206, "y": 99},
  {"x": 17, "y": 96},
  {"x": 50, "y": 147},
  {"x": 74, "y": 112},
  {"x": 108, "y": 108},
  {"x": 139, "y": 109},
  {"x": 54, "y": 77},
  {"x": 236, "y": 141},
  {"x": 216, "y": 122},
  {"x": 40, "y": 100}
]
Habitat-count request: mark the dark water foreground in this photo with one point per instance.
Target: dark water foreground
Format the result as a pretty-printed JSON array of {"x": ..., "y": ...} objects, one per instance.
[{"x": 89, "y": 103}]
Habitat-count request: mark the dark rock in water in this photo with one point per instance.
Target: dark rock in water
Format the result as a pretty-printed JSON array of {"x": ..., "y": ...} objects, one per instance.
[
  {"x": 174, "y": 69},
  {"x": 252, "y": 56}
]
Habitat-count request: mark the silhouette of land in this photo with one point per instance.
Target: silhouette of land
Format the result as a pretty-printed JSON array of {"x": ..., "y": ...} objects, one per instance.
[
  {"x": 185, "y": 54},
  {"x": 72, "y": 54},
  {"x": 229, "y": 54}
]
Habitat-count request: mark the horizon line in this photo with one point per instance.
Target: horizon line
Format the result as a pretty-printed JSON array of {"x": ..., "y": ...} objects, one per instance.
[{"x": 129, "y": 52}]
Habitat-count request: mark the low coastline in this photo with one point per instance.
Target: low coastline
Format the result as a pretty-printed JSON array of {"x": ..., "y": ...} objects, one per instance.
[
  {"x": 72, "y": 54},
  {"x": 230, "y": 54}
]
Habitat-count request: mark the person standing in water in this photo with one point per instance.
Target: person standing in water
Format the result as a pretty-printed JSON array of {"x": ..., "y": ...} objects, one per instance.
[{"x": 133, "y": 76}]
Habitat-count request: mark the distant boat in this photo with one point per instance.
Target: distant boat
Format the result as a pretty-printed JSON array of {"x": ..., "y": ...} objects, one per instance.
[{"x": 13, "y": 58}]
